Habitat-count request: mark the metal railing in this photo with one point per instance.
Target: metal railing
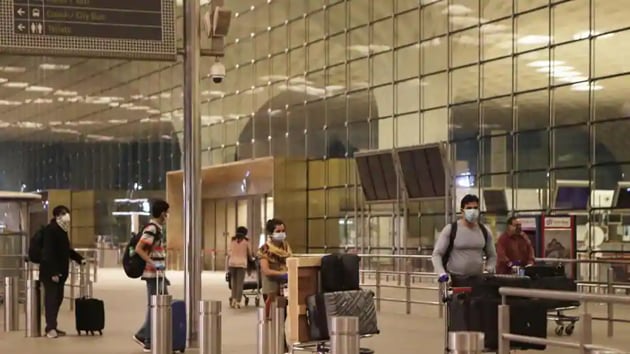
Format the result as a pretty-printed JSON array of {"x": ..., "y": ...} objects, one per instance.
[
  {"x": 585, "y": 335},
  {"x": 379, "y": 272}
]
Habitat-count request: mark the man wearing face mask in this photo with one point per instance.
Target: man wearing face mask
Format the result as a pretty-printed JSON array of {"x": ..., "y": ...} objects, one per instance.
[
  {"x": 513, "y": 248},
  {"x": 53, "y": 270},
  {"x": 462, "y": 245}
]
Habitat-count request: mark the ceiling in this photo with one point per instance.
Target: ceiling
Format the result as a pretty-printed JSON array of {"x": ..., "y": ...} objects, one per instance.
[{"x": 44, "y": 99}]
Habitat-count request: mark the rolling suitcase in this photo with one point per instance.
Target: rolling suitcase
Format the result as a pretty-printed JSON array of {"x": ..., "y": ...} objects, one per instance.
[
  {"x": 356, "y": 303},
  {"x": 179, "y": 325},
  {"x": 339, "y": 272},
  {"x": 89, "y": 315}
]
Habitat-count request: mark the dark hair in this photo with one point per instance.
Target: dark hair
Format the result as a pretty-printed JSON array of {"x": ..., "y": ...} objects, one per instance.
[
  {"x": 510, "y": 220},
  {"x": 241, "y": 233},
  {"x": 60, "y": 210},
  {"x": 469, "y": 198},
  {"x": 271, "y": 225},
  {"x": 158, "y": 207}
]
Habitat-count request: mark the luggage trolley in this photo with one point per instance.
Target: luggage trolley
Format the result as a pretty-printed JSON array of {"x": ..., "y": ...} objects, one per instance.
[
  {"x": 251, "y": 286},
  {"x": 447, "y": 295}
]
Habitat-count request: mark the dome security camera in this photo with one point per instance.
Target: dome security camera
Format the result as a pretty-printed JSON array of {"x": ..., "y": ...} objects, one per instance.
[{"x": 217, "y": 72}]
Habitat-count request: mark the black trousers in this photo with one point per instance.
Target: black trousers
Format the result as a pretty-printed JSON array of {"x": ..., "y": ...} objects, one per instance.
[{"x": 53, "y": 297}]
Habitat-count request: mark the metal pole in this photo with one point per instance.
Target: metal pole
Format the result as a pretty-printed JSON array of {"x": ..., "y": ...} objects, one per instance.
[
  {"x": 161, "y": 324},
  {"x": 504, "y": 328},
  {"x": 278, "y": 326},
  {"x": 586, "y": 334},
  {"x": 271, "y": 331},
  {"x": 73, "y": 280},
  {"x": 33, "y": 309},
  {"x": 610, "y": 315},
  {"x": 378, "y": 286},
  {"x": 84, "y": 279},
  {"x": 344, "y": 335},
  {"x": 192, "y": 168},
  {"x": 210, "y": 327},
  {"x": 262, "y": 343},
  {"x": 11, "y": 304}
]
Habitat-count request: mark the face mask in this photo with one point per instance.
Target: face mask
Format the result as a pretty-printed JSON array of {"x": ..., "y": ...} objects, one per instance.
[
  {"x": 65, "y": 218},
  {"x": 279, "y": 236},
  {"x": 471, "y": 215}
]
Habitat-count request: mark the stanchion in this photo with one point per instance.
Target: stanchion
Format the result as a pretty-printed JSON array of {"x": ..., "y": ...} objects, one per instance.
[
  {"x": 271, "y": 329},
  {"x": 277, "y": 323},
  {"x": 344, "y": 335},
  {"x": 210, "y": 327},
  {"x": 33, "y": 309},
  {"x": 263, "y": 332},
  {"x": 11, "y": 304},
  {"x": 161, "y": 324}
]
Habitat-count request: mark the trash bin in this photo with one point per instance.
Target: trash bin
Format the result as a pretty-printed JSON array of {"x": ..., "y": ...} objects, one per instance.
[{"x": 465, "y": 342}]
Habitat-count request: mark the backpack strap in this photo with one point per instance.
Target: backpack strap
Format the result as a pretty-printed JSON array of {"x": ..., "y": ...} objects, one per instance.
[
  {"x": 486, "y": 237},
  {"x": 449, "y": 247}
]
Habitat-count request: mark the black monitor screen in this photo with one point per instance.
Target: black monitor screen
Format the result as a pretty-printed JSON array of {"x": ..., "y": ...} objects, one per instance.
[
  {"x": 572, "y": 198},
  {"x": 623, "y": 198}
]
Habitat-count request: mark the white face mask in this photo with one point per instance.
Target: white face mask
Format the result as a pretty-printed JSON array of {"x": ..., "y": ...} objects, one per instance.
[
  {"x": 65, "y": 218},
  {"x": 471, "y": 215},
  {"x": 279, "y": 236}
]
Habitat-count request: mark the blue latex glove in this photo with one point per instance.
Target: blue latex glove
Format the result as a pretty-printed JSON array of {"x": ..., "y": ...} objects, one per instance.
[
  {"x": 284, "y": 277},
  {"x": 160, "y": 266},
  {"x": 443, "y": 278}
]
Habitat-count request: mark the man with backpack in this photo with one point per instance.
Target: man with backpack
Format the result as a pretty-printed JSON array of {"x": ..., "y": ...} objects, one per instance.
[
  {"x": 150, "y": 251},
  {"x": 462, "y": 245},
  {"x": 53, "y": 243}
]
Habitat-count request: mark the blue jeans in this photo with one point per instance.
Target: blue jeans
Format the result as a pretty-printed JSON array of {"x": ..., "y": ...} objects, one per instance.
[{"x": 153, "y": 287}]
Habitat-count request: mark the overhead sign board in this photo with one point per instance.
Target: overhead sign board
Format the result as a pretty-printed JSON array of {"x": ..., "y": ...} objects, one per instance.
[{"x": 132, "y": 29}]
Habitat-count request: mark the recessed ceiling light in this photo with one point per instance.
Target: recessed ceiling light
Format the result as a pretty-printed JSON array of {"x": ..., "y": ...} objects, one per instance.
[
  {"x": 65, "y": 93},
  {"x": 100, "y": 137},
  {"x": 3, "y": 80},
  {"x": 29, "y": 125},
  {"x": 117, "y": 121},
  {"x": 39, "y": 89},
  {"x": 43, "y": 100},
  {"x": 573, "y": 78},
  {"x": 543, "y": 63},
  {"x": 534, "y": 39},
  {"x": 12, "y": 69},
  {"x": 48, "y": 66},
  {"x": 566, "y": 74},
  {"x": 55, "y": 123},
  {"x": 16, "y": 84}
]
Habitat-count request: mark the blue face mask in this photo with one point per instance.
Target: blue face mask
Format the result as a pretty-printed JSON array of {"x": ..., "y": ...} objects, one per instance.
[
  {"x": 279, "y": 236},
  {"x": 471, "y": 215}
]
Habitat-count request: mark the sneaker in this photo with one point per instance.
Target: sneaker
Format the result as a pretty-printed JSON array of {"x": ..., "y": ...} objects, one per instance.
[
  {"x": 52, "y": 334},
  {"x": 136, "y": 338},
  {"x": 60, "y": 333},
  {"x": 147, "y": 348}
]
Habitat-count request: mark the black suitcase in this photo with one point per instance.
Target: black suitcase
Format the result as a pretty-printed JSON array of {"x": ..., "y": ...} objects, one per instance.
[
  {"x": 339, "y": 272},
  {"x": 480, "y": 314},
  {"x": 356, "y": 303},
  {"x": 89, "y": 315}
]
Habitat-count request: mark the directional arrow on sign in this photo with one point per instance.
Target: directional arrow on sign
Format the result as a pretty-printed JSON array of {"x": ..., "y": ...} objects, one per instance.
[
  {"x": 20, "y": 11},
  {"x": 21, "y": 27}
]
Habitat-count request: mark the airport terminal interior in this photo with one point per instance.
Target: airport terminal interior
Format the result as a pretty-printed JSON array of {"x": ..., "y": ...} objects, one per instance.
[{"x": 359, "y": 123}]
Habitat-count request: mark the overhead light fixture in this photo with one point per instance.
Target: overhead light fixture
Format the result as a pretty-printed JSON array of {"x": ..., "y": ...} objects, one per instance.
[
  {"x": 99, "y": 137},
  {"x": 43, "y": 100},
  {"x": 166, "y": 137},
  {"x": 117, "y": 121},
  {"x": 55, "y": 123},
  {"x": 573, "y": 78},
  {"x": 587, "y": 34},
  {"x": 154, "y": 111},
  {"x": 65, "y": 93},
  {"x": 543, "y": 63},
  {"x": 534, "y": 39},
  {"x": 5, "y": 124},
  {"x": 3, "y": 80},
  {"x": 39, "y": 89},
  {"x": 586, "y": 86},
  {"x": 12, "y": 69},
  {"x": 65, "y": 131},
  {"x": 48, "y": 66},
  {"x": 19, "y": 85},
  {"x": 565, "y": 74},
  {"x": 212, "y": 93},
  {"x": 29, "y": 125},
  {"x": 10, "y": 103},
  {"x": 546, "y": 69}
]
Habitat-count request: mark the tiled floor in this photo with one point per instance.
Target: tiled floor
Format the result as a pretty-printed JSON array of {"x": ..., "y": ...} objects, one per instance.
[{"x": 418, "y": 333}]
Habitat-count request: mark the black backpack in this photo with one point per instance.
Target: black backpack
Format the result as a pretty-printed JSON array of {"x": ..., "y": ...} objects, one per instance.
[
  {"x": 133, "y": 264},
  {"x": 36, "y": 246},
  {"x": 451, "y": 242}
]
